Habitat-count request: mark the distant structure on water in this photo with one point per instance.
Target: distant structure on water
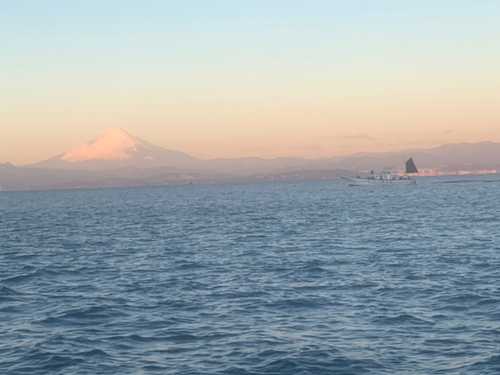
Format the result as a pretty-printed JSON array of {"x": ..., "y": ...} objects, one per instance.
[{"x": 387, "y": 177}]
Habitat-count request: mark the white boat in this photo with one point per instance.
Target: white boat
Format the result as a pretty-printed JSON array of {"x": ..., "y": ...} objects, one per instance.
[{"x": 387, "y": 177}]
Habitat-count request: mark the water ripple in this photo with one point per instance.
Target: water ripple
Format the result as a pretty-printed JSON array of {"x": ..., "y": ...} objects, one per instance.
[{"x": 284, "y": 278}]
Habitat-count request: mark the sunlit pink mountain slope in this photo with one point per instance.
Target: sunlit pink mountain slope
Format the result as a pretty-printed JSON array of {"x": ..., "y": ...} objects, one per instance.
[{"x": 116, "y": 148}]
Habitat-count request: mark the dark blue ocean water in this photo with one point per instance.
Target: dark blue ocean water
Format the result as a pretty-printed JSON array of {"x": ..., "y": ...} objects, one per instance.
[{"x": 285, "y": 278}]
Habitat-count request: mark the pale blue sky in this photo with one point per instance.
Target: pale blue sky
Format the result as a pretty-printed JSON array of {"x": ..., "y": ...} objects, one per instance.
[{"x": 237, "y": 78}]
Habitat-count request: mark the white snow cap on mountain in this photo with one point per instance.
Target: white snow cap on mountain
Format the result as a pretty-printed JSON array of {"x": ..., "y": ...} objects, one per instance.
[
  {"x": 112, "y": 144},
  {"x": 116, "y": 148}
]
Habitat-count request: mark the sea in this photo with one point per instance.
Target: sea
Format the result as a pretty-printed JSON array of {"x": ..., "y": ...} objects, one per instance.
[{"x": 263, "y": 278}]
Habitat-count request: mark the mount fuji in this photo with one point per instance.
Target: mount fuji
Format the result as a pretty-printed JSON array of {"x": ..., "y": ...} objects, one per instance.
[{"x": 116, "y": 148}]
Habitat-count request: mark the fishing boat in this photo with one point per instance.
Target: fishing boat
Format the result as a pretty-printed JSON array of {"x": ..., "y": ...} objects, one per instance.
[{"x": 387, "y": 177}]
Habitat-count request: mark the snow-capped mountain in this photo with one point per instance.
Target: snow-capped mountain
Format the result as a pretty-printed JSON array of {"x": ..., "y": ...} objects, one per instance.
[{"x": 116, "y": 148}]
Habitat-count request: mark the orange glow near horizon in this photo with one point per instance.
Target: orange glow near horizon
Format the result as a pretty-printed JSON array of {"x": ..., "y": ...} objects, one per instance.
[
  {"x": 313, "y": 81},
  {"x": 275, "y": 127}
]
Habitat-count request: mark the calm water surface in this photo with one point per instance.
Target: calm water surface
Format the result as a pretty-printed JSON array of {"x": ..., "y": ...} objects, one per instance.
[{"x": 285, "y": 278}]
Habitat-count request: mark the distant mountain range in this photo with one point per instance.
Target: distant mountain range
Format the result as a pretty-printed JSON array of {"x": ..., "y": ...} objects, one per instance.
[{"x": 116, "y": 158}]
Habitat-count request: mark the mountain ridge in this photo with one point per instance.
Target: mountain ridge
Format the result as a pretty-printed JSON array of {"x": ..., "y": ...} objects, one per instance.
[
  {"x": 116, "y": 148},
  {"x": 115, "y": 158}
]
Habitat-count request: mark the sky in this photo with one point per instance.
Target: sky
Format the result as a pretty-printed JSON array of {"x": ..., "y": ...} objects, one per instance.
[{"x": 307, "y": 78}]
